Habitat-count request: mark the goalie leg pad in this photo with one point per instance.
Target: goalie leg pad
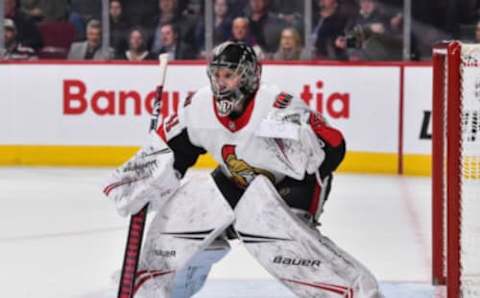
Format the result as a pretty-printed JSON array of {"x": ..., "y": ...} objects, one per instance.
[
  {"x": 191, "y": 279},
  {"x": 297, "y": 254},
  {"x": 181, "y": 240}
]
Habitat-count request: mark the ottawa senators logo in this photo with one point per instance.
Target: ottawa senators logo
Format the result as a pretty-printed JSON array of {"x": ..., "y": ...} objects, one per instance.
[{"x": 242, "y": 172}]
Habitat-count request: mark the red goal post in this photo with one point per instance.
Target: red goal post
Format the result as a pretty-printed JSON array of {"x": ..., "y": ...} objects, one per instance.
[{"x": 456, "y": 169}]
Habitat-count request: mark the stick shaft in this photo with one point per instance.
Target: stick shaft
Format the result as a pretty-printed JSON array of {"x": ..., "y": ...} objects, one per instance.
[{"x": 137, "y": 221}]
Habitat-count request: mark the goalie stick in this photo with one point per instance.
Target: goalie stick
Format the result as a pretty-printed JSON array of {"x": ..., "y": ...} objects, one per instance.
[{"x": 137, "y": 221}]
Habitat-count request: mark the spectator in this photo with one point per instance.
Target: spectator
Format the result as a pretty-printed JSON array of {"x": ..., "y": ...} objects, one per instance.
[
  {"x": 393, "y": 40},
  {"x": 241, "y": 32},
  {"x": 13, "y": 48},
  {"x": 223, "y": 21},
  {"x": 169, "y": 14},
  {"x": 87, "y": 9},
  {"x": 290, "y": 46},
  {"x": 91, "y": 49},
  {"x": 222, "y": 25},
  {"x": 330, "y": 25},
  {"x": 137, "y": 47},
  {"x": 119, "y": 27},
  {"x": 81, "y": 12},
  {"x": 26, "y": 31},
  {"x": 264, "y": 26},
  {"x": 368, "y": 33},
  {"x": 192, "y": 7},
  {"x": 173, "y": 46},
  {"x": 46, "y": 10},
  {"x": 289, "y": 11}
]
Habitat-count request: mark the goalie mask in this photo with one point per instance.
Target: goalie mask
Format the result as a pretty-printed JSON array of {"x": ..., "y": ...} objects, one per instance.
[{"x": 234, "y": 74}]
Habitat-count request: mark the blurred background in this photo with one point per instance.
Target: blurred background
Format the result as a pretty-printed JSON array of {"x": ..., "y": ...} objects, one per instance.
[{"x": 188, "y": 29}]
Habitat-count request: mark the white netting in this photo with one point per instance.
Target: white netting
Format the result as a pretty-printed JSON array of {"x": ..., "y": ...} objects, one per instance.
[
  {"x": 444, "y": 160},
  {"x": 470, "y": 167}
]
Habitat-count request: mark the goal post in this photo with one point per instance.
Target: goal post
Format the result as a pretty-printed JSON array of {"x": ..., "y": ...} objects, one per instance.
[{"x": 456, "y": 169}]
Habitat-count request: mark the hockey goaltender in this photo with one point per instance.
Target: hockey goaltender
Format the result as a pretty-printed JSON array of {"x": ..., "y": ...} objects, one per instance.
[{"x": 276, "y": 158}]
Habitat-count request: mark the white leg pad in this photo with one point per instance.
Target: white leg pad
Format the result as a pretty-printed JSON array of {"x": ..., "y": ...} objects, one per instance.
[
  {"x": 307, "y": 262},
  {"x": 179, "y": 248},
  {"x": 192, "y": 277}
]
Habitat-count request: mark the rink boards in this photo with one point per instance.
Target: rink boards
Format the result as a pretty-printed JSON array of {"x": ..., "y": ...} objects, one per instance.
[{"x": 96, "y": 114}]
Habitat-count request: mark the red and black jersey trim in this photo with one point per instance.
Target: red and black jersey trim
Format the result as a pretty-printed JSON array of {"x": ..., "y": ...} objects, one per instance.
[
  {"x": 188, "y": 100},
  {"x": 330, "y": 135},
  {"x": 282, "y": 101}
]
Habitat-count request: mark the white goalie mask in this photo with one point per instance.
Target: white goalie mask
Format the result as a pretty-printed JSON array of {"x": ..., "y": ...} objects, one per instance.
[{"x": 234, "y": 74}]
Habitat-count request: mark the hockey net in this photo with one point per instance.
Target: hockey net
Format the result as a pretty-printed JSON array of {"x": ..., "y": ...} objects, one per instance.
[{"x": 456, "y": 168}]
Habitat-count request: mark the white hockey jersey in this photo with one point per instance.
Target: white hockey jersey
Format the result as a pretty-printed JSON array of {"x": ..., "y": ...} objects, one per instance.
[{"x": 277, "y": 136}]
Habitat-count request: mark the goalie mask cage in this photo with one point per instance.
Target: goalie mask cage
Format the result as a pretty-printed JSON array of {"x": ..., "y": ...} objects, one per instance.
[{"x": 456, "y": 169}]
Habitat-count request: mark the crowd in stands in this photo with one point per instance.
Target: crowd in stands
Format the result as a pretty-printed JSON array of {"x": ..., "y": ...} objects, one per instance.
[{"x": 142, "y": 29}]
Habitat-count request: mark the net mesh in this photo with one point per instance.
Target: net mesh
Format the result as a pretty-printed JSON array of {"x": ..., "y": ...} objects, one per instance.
[
  {"x": 444, "y": 70},
  {"x": 470, "y": 168}
]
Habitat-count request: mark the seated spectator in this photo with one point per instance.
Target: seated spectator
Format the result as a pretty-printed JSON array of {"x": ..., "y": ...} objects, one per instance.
[
  {"x": 222, "y": 25},
  {"x": 137, "y": 47},
  {"x": 169, "y": 13},
  {"x": 26, "y": 31},
  {"x": 290, "y": 46},
  {"x": 289, "y": 11},
  {"x": 241, "y": 33},
  {"x": 91, "y": 49},
  {"x": 330, "y": 25},
  {"x": 45, "y": 10},
  {"x": 87, "y": 9},
  {"x": 192, "y": 7},
  {"x": 119, "y": 27},
  {"x": 173, "y": 46},
  {"x": 13, "y": 48},
  {"x": 222, "y": 22},
  {"x": 81, "y": 12},
  {"x": 393, "y": 40},
  {"x": 264, "y": 26},
  {"x": 366, "y": 34}
]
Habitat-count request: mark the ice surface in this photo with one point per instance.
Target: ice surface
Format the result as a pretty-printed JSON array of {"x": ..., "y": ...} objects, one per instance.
[
  {"x": 218, "y": 288},
  {"x": 59, "y": 237}
]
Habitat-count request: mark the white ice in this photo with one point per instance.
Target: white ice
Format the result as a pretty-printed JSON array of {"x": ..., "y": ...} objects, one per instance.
[{"x": 60, "y": 237}]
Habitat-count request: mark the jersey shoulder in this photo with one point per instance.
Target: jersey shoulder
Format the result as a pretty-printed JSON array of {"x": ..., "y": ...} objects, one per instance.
[
  {"x": 198, "y": 100},
  {"x": 177, "y": 121},
  {"x": 285, "y": 106},
  {"x": 279, "y": 99}
]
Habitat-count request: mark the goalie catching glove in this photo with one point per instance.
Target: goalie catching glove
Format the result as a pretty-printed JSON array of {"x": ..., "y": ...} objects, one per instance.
[{"x": 148, "y": 177}]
